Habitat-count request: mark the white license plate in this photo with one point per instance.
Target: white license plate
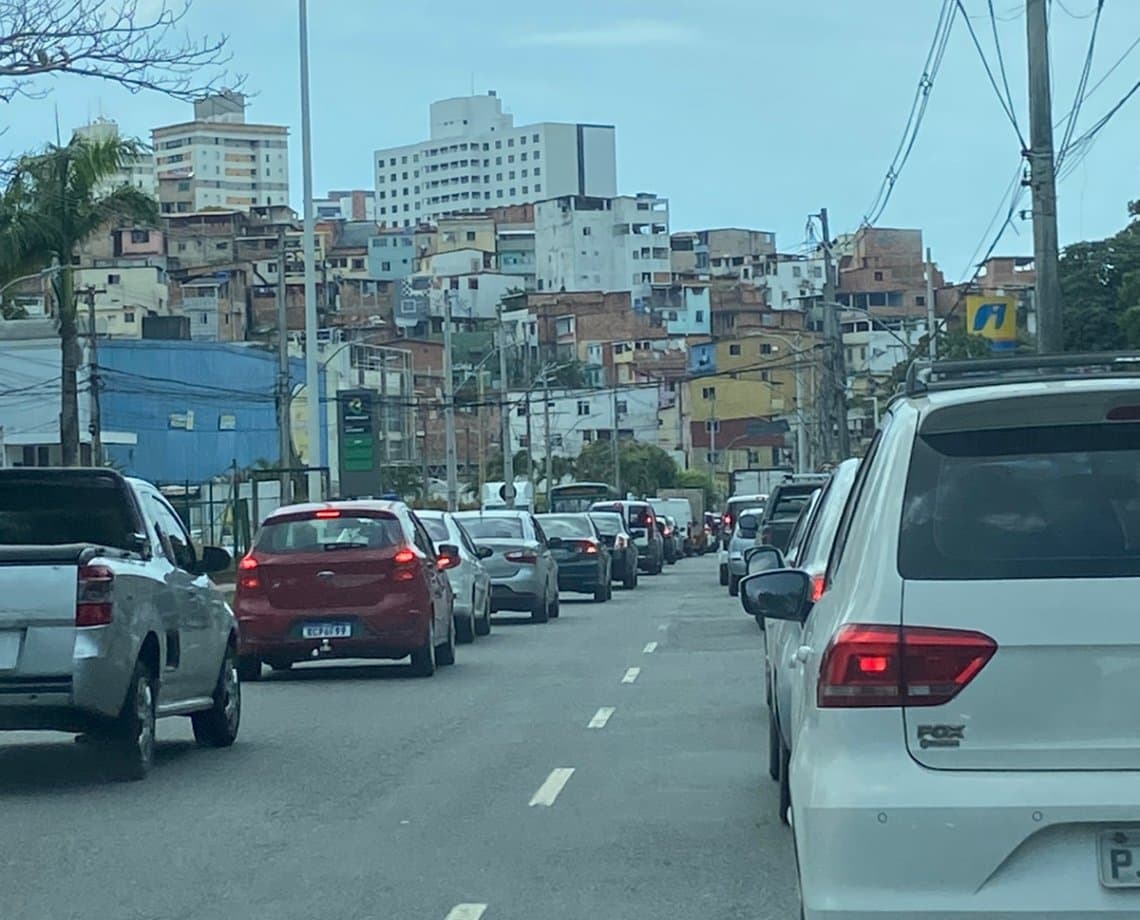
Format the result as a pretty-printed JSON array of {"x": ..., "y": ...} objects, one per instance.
[
  {"x": 327, "y": 631},
  {"x": 1119, "y": 857},
  {"x": 9, "y": 649}
]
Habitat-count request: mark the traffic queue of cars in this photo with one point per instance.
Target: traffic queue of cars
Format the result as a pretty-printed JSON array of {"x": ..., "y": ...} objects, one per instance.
[{"x": 952, "y": 649}]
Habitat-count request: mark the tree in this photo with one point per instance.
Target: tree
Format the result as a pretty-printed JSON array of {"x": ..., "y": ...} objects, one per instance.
[
  {"x": 137, "y": 45},
  {"x": 695, "y": 479},
  {"x": 49, "y": 208},
  {"x": 645, "y": 468}
]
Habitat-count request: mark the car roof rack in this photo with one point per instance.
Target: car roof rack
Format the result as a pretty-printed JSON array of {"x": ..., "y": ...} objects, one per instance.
[{"x": 925, "y": 376}]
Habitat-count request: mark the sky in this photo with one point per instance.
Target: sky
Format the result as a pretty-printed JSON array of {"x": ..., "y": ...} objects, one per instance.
[{"x": 749, "y": 113}]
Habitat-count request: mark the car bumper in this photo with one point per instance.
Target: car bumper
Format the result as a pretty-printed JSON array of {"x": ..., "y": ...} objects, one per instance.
[
  {"x": 520, "y": 591},
  {"x": 737, "y": 567},
  {"x": 583, "y": 578},
  {"x": 902, "y": 841},
  {"x": 266, "y": 633}
]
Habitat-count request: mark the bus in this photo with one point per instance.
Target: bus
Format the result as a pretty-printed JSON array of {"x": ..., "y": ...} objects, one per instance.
[{"x": 578, "y": 496}]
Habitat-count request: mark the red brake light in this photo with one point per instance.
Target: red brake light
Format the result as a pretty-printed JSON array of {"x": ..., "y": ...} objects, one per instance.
[
  {"x": 404, "y": 559},
  {"x": 522, "y": 556},
  {"x": 404, "y": 556},
  {"x": 818, "y": 587},
  {"x": 867, "y": 666},
  {"x": 325, "y": 515},
  {"x": 93, "y": 596},
  {"x": 668, "y": 531},
  {"x": 248, "y": 579},
  {"x": 589, "y": 547}
]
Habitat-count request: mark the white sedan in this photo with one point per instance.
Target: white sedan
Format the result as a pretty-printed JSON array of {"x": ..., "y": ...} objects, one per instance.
[{"x": 470, "y": 582}]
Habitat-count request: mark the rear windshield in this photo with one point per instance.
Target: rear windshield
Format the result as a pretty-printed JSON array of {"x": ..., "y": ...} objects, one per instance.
[
  {"x": 639, "y": 516},
  {"x": 736, "y": 508},
  {"x": 55, "y": 512},
  {"x": 1059, "y": 502},
  {"x": 492, "y": 527},
  {"x": 572, "y": 526},
  {"x": 310, "y": 535},
  {"x": 789, "y": 506},
  {"x": 436, "y": 529},
  {"x": 607, "y": 522}
]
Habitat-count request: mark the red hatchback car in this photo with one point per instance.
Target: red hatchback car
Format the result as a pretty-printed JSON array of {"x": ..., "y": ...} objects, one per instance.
[{"x": 351, "y": 579}]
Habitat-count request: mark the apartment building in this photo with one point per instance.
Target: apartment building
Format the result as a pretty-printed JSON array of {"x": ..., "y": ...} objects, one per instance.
[
  {"x": 138, "y": 171},
  {"x": 219, "y": 160},
  {"x": 355, "y": 204},
  {"x": 123, "y": 271},
  {"x": 475, "y": 158},
  {"x": 727, "y": 253}
]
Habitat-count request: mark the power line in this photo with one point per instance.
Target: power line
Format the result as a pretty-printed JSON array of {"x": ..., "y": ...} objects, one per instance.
[
  {"x": 916, "y": 114},
  {"x": 1001, "y": 59},
  {"x": 1083, "y": 144},
  {"x": 1006, "y": 107},
  {"x": 1082, "y": 84},
  {"x": 1088, "y": 15},
  {"x": 1108, "y": 73}
]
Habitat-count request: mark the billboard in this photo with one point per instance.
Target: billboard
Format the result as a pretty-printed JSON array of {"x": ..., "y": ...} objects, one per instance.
[{"x": 993, "y": 317}]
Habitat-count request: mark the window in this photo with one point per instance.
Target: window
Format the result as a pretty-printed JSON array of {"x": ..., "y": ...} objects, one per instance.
[
  {"x": 621, "y": 407},
  {"x": 585, "y": 231},
  {"x": 534, "y": 137},
  {"x": 708, "y": 392},
  {"x": 526, "y": 189},
  {"x": 524, "y": 173},
  {"x": 498, "y": 177},
  {"x": 472, "y": 284},
  {"x": 583, "y": 407},
  {"x": 796, "y": 271},
  {"x": 511, "y": 158},
  {"x": 510, "y": 141},
  {"x": 766, "y": 348},
  {"x": 470, "y": 236},
  {"x": 140, "y": 236},
  {"x": 128, "y": 316},
  {"x": 734, "y": 349},
  {"x": 498, "y": 145},
  {"x": 521, "y": 411},
  {"x": 920, "y": 301},
  {"x": 114, "y": 279},
  {"x": 713, "y": 425},
  {"x": 700, "y": 316},
  {"x": 535, "y": 155},
  {"x": 513, "y": 192},
  {"x": 175, "y": 539},
  {"x": 538, "y": 187},
  {"x": 385, "y": 266},
  {"x": 511, "y": 174},
  {"x": 878, "y": 276}
]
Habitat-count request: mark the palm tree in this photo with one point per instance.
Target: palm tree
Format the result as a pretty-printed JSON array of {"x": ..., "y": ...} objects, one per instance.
[{"x": 54, "y": 202}]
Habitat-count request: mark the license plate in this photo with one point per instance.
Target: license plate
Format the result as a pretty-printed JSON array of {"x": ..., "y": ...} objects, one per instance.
[
  {"x": 327, "y": 631},
  {"x": 9, "y": 649},
  {"x": 1119, "y": 857}
]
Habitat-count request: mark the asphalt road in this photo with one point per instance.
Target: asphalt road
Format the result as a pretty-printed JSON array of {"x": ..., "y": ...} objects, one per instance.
[{"x": 361, "y": 793}]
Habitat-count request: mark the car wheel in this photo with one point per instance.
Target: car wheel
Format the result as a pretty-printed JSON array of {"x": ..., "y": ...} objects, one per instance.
[
  {"x": 540, "y": 612},
  {"x": 423, "y": 659},
  {"x": 134, "y": 737},
  {"x": 773, "y": 747},
  {"x": 554, "y": 610},
  {"x": 445, "y": 651},
  {"x": 218, "y": 725},
  {"x": 733, "y": 585},
  {"x": 723, "y": 575},
  {"x": 785, "y": 782},
  {"x": 465, "y": 627},
  {"x": 629, "y": 582},
  {"x": 249, "y": 668},
  {"x": 483, "y": 624}
]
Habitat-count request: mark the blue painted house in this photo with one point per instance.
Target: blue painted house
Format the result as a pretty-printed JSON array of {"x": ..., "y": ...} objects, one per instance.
[{"x": 179, "y": 411}]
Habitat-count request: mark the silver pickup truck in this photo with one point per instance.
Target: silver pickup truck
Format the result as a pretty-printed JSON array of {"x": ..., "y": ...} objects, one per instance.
[{"x": 108, "y": 619}]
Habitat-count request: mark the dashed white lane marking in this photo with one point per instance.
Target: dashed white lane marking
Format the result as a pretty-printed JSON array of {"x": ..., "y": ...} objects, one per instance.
[
  {"x": 601, "y": 717},
  {"x": 467, "y": 912},
  {"x": 664, "y": 627},
  {"x": 631, "y": 675},
  {"x": 650, "y": 648},
  {"x": 550, "y": 789}
]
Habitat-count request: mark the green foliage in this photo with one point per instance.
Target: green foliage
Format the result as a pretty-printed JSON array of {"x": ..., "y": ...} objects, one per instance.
[
  {"x": 695, "y": 479},
  {"x": 405, "y": 480},
  {"x": 645, "y": 468}
]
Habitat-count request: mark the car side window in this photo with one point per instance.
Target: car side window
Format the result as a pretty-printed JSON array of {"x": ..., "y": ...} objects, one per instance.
[
  {"x": 176, "y": 542},
  {"x": 421, "y": 539},
  {"x": 538, "y": 533},
  {"x": 844, "y": 529}
]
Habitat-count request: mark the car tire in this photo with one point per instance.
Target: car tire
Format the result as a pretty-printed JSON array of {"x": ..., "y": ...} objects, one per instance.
[
  {"x": 423, "y": 659},
  {"x": 445, "y": 651},
  {"x": 540, "y": 612},
  {"x": 218, "y": 726},
  {"x": 133, "y": 741},
  {"x": 249, "y": 669},
  {"x": 483, "y": 624},
  {"x": 723, "y": 575},
  {"x": 601, "y": 593},
  {"x": 733, "y": 585},
  {"x": 465, "y": 627},
  {"x": 629, "y": 582},
  {"x": 773, "y": 747},
  {"x": 554, "y": 607},
  {"x": 785, "y": 800}
]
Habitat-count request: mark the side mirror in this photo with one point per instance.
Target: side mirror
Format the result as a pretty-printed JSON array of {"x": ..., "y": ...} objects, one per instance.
[
  {"x": 484, "y": 552},
  {"x": 448, "y": 556},
  {"x": 555, "y": 542},
  {"x": 214, "y": 559},
  {"x": 783, "y": 594},
  {"x": 763, "y": 559}
]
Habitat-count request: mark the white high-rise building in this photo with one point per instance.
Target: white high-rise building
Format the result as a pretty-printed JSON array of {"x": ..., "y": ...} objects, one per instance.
[
  {"x": 218, "y": 160},
  {"x": 477, "y": 158},
  {"x": 138, "y": 172}
]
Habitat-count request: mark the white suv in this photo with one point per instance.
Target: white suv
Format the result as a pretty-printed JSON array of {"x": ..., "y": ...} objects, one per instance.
[{"x": 964, "y": 720}]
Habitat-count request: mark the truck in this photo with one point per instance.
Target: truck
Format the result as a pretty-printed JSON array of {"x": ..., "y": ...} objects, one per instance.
[
  {"x": 693, "y": 522},
  {"x": 494, "y": 496},
  {"x": 108, "y": 617},
  {"x": 757, "y": 481}
]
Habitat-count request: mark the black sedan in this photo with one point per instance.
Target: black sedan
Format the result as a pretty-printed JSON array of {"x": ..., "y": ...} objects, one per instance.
[
  {"x": 619, "y": 541},
  {"x": 583, "y": 557}
]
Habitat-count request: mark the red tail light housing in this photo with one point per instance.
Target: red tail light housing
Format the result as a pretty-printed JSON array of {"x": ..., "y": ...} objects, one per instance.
[
  {"x": 588, "y": 548},
  {"x": 405, "y": 559},
  {"x": 521, "y": 556},
  {"x": 248, "y": 578},
  {"x": 818, "y": 587},
  {"x": 327, "y": 514},
  {"x": 94, "y": 604},
  {"x": 884, "y": 666}
]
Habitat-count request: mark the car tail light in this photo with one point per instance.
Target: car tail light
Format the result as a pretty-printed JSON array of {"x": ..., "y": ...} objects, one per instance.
[
  {"x": 589, "y": 547},
  {"x": 818, "y": 587},
  {"x": 523, "y": 556},
  {"x": 248, "y": 577},
  {"x": 448, "y": 562},
  {"x": 867, "y": 666},
  {"x": 405, "y": 559},
  {"x": 668, "y": 531},
  {"x": 94, "y": 604},
  {"x": 327, "y": 514}
]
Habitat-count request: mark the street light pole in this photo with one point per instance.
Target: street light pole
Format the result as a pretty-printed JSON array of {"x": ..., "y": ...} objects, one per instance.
[
  {"x": 449, "y": 409},
  {"x": 505, "y": 417},
  {"x": 312, "y": 370}
]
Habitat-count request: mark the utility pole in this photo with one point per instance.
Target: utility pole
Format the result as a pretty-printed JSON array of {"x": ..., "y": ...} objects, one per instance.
[
  {"x": 505, "y": 416},
  {"x": 479, "y": 425},
  {"x": 801, "y": 420},
  {"x": 615, "y": 446},
  {"x": 546, "y": 434},
  {"x": 96, "y": 423},
  {"x": 422, "y": 412},
  {"x": 285, "y": 450},
  {"x": 836, "y": 447},
  {"x": 931, "y": 319},
  {"x": 449, "y": 409},
  {"x": 312, "y": 367},
  {"x": 1043, "y": 182}
]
